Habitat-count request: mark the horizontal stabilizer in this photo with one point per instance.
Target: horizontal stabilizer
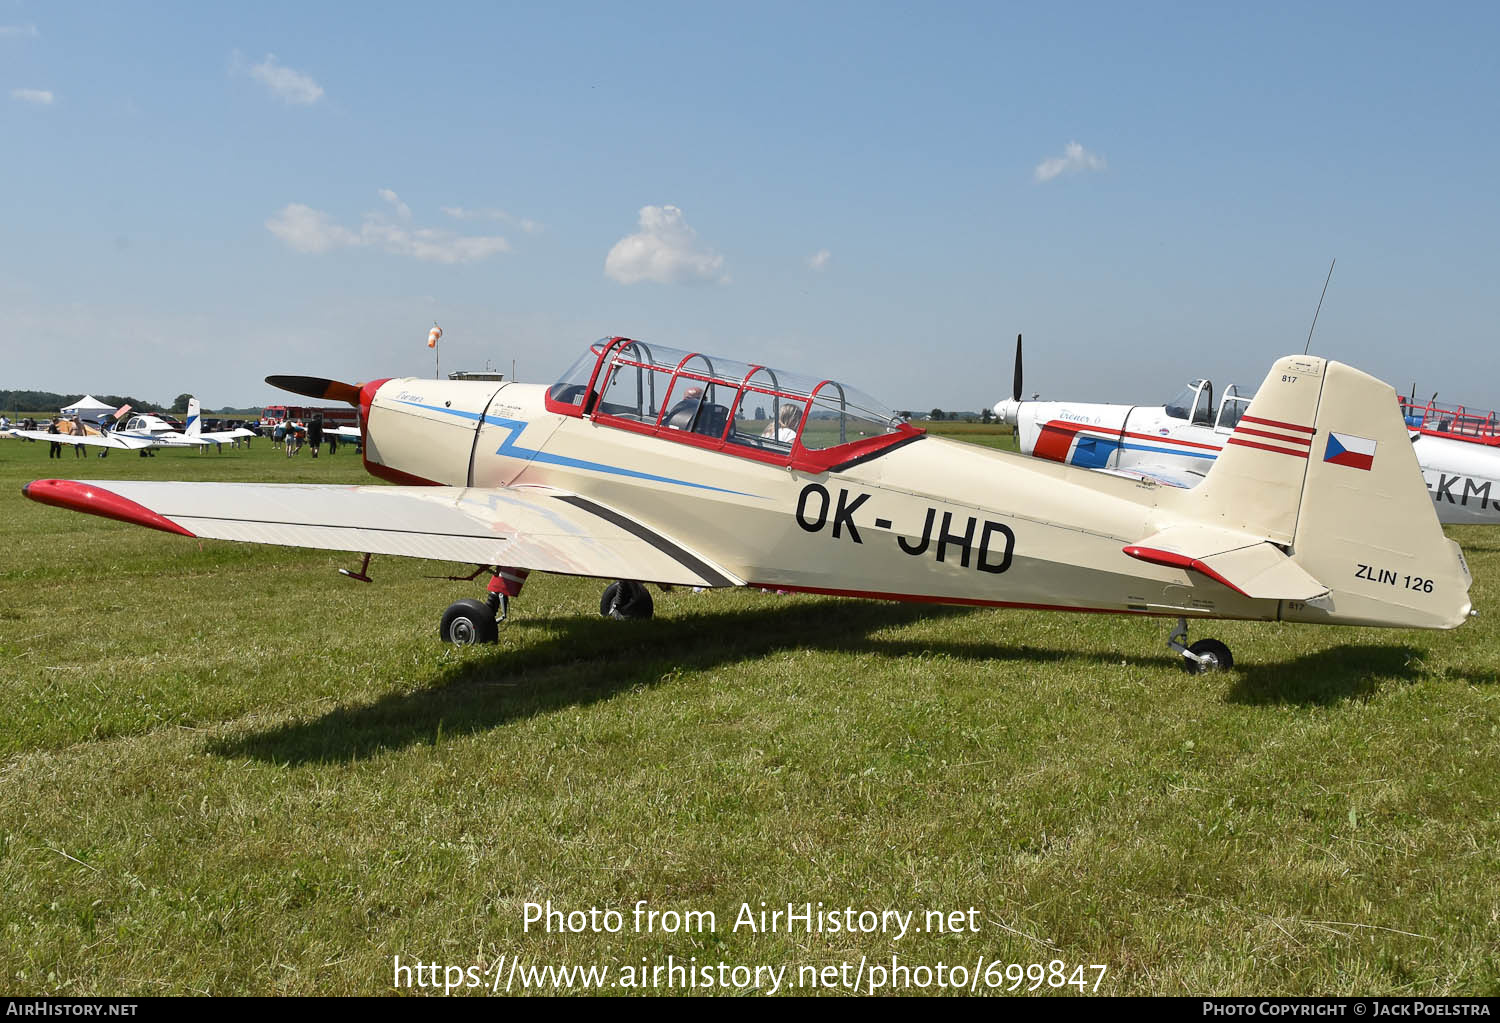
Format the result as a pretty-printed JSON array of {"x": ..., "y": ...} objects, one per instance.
[{"x": 1256, "y": 568}]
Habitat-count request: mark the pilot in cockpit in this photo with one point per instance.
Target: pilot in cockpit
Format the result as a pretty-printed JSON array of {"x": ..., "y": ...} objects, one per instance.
[{"x": 682, "y": 414}]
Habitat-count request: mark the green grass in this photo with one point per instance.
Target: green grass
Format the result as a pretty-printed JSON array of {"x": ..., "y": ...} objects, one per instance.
[{"x": 226, "y": 769}]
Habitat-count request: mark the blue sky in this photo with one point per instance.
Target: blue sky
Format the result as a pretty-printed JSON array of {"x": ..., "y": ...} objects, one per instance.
[{"x": 193, "y": 196}]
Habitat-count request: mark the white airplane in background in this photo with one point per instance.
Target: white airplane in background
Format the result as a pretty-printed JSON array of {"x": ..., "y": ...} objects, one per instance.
[
  {"x": 1177, "y": 443},
  {"x": 143, "y": 432},
  {"x": 193, "y": 433},
  {"x": 643, "y": 464}
]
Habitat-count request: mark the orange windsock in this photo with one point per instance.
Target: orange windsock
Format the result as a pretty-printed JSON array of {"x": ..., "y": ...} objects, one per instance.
[{"x": 433, "y": 335}]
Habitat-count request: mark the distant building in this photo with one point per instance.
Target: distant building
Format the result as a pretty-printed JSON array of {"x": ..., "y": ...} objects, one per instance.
[{"x": 476, "y": 374}]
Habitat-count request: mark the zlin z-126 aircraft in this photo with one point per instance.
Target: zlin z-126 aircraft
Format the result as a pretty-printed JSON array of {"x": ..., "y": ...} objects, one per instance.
[
  {"x": 1176, "y": 443},
  {"x": 648, "y": 465}
]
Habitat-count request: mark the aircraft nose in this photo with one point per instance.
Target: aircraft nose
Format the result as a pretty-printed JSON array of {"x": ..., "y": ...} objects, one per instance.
[{"x": 1007, "y": 411}]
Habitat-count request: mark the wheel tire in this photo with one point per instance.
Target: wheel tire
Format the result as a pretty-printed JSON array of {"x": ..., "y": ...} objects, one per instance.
[
  {"x": 1216, "y": 657},
  {"x": 625, "y": 601},
  {"x": 467, "y": 622}
]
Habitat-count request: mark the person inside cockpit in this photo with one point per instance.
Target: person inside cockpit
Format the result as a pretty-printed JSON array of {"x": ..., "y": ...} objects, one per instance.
[
  {"x": 785, "y": 428},
  {"x": 682, "y": 414}
]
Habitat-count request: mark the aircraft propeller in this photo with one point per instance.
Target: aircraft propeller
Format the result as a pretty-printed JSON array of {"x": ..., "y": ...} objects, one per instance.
[
  {"x": 1015, "y": 389},
  {"x": 317, "y": 387},
  {"x": 1015, "y": 395}
]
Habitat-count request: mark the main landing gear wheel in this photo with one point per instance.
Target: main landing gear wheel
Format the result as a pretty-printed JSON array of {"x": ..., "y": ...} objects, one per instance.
[
  {"x": 1203, "y": 656},
  {"x": 625, "y": 600},
  {"x": 1212, "y": 656},
  {"x": 467, "y": 622}
]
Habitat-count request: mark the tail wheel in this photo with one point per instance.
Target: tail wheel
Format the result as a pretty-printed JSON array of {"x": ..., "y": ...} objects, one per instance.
[
  {"x": 626, "y": 600},
  {"x": 1212, "y": 656},
  {"x": 467, "y": 622}
]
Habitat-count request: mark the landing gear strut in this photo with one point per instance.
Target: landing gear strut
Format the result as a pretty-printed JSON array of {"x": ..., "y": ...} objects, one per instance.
[
  {"x": 625, "y": 600},
  {"x": 1204, "y": 655}
]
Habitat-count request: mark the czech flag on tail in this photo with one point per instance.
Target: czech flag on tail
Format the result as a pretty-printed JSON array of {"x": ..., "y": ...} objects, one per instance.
[{"x": 1347, "y": 449}]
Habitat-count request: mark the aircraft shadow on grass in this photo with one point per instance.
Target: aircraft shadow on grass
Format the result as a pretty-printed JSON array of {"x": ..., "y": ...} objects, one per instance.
[
  {"x": 587, "y": 659},
  {"x": 1338, "y": 674}
]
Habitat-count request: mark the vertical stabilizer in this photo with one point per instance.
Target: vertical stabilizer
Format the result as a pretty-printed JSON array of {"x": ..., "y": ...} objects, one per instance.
[
  {"x": 194, "y": 423},
  {"x": 1322, "y": 465},
  {"x": 1256, "y": 484},
  {"x": 1367, "y": 526}
]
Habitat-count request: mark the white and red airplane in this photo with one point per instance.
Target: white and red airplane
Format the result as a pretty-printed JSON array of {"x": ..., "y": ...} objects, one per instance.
[
  {"x": 646, "y": 464},
  {"x": 1177, "y": 443}
]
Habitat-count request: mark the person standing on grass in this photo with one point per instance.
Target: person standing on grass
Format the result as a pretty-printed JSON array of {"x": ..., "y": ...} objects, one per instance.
[
  {"x": 55, "y": 451},
  {"x": 315, "y": 434}
]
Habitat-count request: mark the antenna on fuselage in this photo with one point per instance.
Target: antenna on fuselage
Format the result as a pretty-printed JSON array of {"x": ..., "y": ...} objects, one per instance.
[{"x": 1310, "y": 330}]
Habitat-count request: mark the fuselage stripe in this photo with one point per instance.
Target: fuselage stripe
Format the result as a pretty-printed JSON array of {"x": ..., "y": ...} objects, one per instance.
[
  {"x": 509, "y": 449},
  {"x": 1278, "y": 424},
  {"x": 1267, "y": 447}
]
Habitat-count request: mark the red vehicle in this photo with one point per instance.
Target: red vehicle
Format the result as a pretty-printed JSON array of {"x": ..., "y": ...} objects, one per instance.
[{"x": 332, "y": 417}]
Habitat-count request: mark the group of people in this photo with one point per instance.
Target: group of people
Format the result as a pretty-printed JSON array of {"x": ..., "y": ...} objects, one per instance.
[
  {"x": 6, "y": 423},
  {"x": 295, "y": 434},
  {"x": 54, "y": 450}
]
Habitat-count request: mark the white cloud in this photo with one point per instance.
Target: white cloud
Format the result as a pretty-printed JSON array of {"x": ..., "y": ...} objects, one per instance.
[
  {"x": 28, "y": 31},
  {"x": 664, "y": 250},
  {"x": 525, "y": 224},
  {"x": 285, "y": 84},
  {"x": 1073, "y": 159},
  {"x": 308, "y": 230},
  {"x": 402, "y": 210},
  {"x": 41, "y": 97},
  {"x": 818, "y": 260}
]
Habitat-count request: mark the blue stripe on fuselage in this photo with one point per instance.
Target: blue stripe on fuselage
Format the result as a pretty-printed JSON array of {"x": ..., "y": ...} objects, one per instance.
[
  {"x": 510, "y": 450},
  {"x": 1172, "y": 451}
]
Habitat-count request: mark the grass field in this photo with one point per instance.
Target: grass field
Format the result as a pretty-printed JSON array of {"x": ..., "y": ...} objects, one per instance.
[{"x": 226, "y": 769}]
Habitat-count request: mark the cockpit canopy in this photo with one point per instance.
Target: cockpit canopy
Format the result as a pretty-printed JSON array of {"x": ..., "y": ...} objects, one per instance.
[
  {"x": 1195, "y": 403},
  {"x": 751, "y": 410}
]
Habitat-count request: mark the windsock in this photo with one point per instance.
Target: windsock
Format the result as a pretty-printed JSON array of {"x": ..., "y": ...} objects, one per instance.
[{"x": 433, "y": 335}]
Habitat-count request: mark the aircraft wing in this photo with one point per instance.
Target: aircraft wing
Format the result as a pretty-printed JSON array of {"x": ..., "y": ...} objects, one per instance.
[
  {"x": 221, "y": 436},
  {"x": 1257, "y": 568},
  {"x": 92, "y": 440},
  {"x": 524, "y": 527},
  {"x": 1166, "y": 475}
]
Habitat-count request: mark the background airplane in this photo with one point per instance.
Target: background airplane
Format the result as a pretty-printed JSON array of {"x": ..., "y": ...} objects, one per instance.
[
  {"x": 143, "y": 432},
  {"x": 645, "y": 464},
  {"x": 1177, "y": 443}
]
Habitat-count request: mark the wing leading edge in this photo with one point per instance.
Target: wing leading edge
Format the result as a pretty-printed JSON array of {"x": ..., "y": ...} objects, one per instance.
[{"x": 540, "y": 529}]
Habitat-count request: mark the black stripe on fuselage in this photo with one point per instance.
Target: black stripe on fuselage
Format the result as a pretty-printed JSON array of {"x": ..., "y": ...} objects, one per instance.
[
  {"x": 661, "y": 543},
  {"x": 862, "y": 459}
]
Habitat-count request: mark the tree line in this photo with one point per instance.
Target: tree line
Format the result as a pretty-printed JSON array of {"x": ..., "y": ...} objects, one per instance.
[{"x": 51, "y": 402}]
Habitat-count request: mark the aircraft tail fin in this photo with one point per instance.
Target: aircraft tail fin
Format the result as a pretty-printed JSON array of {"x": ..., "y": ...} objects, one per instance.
[
  {"x": 1321, "y": 464},
  {"x": 194, "y": 421}
]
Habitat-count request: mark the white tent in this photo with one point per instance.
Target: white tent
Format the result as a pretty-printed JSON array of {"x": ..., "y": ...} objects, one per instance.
[{"x": 89, "y": 407}]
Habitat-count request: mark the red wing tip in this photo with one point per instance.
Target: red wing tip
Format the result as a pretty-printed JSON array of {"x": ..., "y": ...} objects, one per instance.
[{"x": 92, "y": 499}]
